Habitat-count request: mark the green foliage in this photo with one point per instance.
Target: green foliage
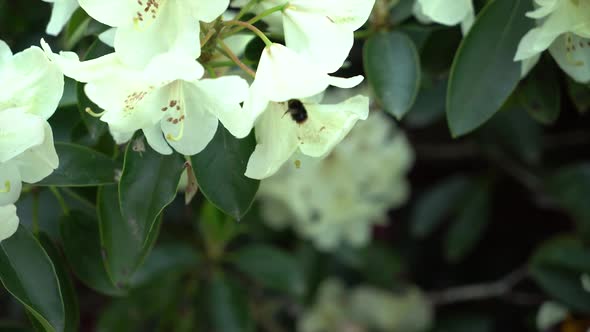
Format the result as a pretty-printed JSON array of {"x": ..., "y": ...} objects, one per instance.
[
  {"x": 393, "y": 70},
  {"x": 484, "y": 74}
]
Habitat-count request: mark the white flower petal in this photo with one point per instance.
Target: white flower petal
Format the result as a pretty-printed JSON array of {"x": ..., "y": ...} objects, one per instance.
[
  {"x": 207, "y": 10},
  {"x": 155, "y": 139},
  {"x": 190, "y": 126},
  {"x": 108, "y": 37},
  {"x": 60, "y": 15},
  {"x": 10, "y": 183},
  {"x": 277, "y": 141},
  {"x": 19, "y": 131},
  {"x": 39, "y": 161},
  {"x": 8, "y": 221},
  {"x": 30, "y": 80},
  {"x": 317, "y": 38},
  {"x": 222, "y": 97},
  {"x": 170, "y": 30},
  {"x": 111, "y": 12},
  {"x": 327, "y": 125},
  {"x": 572, "y": 54},
  {"x": 444, "y": 11}
]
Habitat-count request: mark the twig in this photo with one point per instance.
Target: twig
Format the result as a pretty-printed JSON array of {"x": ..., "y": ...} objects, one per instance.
[{"x": 476, "y": 292}]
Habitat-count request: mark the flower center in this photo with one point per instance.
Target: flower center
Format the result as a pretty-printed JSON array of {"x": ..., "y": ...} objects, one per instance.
[
  {"x": 147, "y": 12},
  {"x": 6, "y": 188},
  {"x": 176, "y": 111}
]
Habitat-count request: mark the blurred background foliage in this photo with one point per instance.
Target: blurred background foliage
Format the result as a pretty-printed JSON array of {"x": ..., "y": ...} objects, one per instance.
[{"x": 496, "y": 226}]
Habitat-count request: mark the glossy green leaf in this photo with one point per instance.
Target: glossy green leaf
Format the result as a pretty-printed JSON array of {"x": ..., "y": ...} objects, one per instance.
[
  {"x": 429, "y": 106},
  {"x": 557, "y": 267},
  {"x": 216, "y": 228},
  {"x": 80, "y": 166},
  {"x": 570, "y": 186},
  {"x": 27, "y": 272},
  {"x": 76, "y": 28},
  {"x": 148, "y": 184},
  {"x": 70, "y": 298},
  {"x": 122, "y": 245},
  {"x": 228, "y": 308},
  {"x": 515, "y": 133},
  {"x": 271, "y": 267},
  {"x": 432, "y": 207},
  {"x": 468, "y": 227},
  {"x": 220, "y": 172},
  {"x": 81, "y": 242},
  {"x": 484, "y": 74},
  {"x": 165, "y": 259},
  {"x": 392, "y": 66},
  {"x": 541, "y": 93}
]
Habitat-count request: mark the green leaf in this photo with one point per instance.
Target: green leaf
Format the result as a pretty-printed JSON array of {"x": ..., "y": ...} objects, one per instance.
[
  {"x": 27, "y": 272},
  {"x": 216, "y": 228},
  {"x": 228, "y": 308},
  {"x": 557, "y": 266},
  {"x": 469, "y": 224},
  {"x": 579, "y": 95},
  {"x": 80, "y": 166},
  {"x": 165, "y": 259},
  {"x": 271, "y": 267},
  {"x": 429, "y": 106},
  {"x": 436, "y": 204},
  {"x": 220, "y": 169},
  {"x": 76, "y": 28},
  {"x": 513, "y": 131},
  {"x": 81, "y": 242},
  {"x": 148, "y": 184},
  {"x": 484, "y": 74},
  {"x": 121, "y": 243},
  {"x": 392, "y": 65},
  {"x": 541, "y": 94},
  {"x": 464, "y": 323},
  {"x": 70, "y": 298},
  {"x": 570, "y": 186},
  {"x": 94, "y": 126}
]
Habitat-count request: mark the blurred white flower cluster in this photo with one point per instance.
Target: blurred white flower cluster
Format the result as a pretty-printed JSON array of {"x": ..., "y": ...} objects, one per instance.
[
  {"x": 30, "y": 90},
  {"x": 364, "y": 309},
  {"x": 338, "y": 199}
]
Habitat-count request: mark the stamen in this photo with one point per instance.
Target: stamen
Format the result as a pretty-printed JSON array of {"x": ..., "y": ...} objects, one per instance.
[
  {"x": 96, "y": 115},
  {"x": 6, "y": 188},
  {"x": 179, "y": 136}
]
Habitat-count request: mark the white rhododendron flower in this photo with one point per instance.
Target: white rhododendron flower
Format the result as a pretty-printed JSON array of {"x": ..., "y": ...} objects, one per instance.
[
  {"x": 564, "y": 29},
  {"x": 330, "y": 211},
  {"x": 447, "y": 12},
  {"x": 366, "y": 308},
  {"x": 283, "y": 92},
  {"x": 167, "y": 100},
  {"x": 60, "y": 15},
  {"x": 146, "y": 28},
  {"x": 322, "y": 31},
  {"x": 30, "y": 90}
]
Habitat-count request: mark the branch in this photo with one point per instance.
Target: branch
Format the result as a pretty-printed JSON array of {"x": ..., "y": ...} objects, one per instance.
[{"x": 476, "y": 292}]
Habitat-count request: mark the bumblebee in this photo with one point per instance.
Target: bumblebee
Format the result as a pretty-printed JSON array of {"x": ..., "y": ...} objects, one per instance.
[{"x": 297, "y": 111}]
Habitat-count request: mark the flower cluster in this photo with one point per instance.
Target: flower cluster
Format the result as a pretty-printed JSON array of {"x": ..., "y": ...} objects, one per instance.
[
  {"x": 163, "y": 78},
  {"x": 320, "y": 205},
  {"x": 365, "y": 308},
  {"x": 563, "y": 28},
  {"x": 30, "y": 90}
]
